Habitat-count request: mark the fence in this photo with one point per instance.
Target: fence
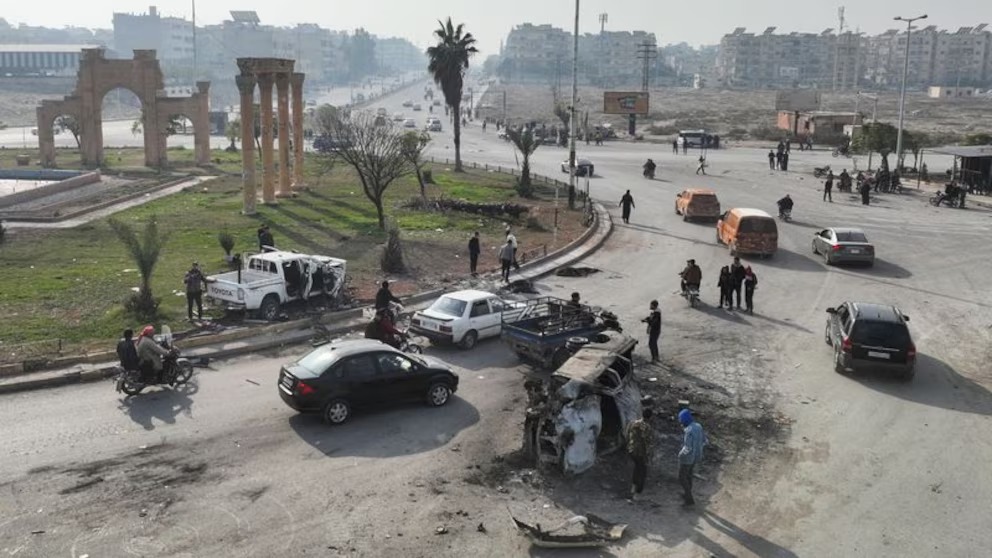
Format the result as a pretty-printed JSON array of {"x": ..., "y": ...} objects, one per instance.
[{"x": 536, "y": 178}]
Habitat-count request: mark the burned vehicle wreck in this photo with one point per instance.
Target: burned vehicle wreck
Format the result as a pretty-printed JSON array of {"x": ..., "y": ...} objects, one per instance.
[{"x": 582, "y": 410}]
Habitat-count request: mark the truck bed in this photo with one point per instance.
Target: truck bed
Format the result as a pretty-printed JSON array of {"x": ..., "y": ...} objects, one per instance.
[{"x": 545, "y": 325}]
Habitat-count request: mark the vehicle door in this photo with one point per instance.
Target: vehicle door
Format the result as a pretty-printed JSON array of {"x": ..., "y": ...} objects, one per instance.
[
  {"x": 482, "y": 319},
  {"x": 358, "y": 376},
  {"x": 841, "y": 324},
  {"x": 397, "y": 378},
  {"x": 679, "y": 199},
  {"x": 823, "y": 241}
]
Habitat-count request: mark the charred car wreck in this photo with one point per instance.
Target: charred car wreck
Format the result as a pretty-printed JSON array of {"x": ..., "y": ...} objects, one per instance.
[{"x": 582, "y": 410}]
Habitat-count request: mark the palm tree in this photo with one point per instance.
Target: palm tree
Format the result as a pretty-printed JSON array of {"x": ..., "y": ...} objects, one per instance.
[
  {"x": 448, "y": 63},
  {"x": 145, "y": 252},
  {"x": 526, "y": 144}
]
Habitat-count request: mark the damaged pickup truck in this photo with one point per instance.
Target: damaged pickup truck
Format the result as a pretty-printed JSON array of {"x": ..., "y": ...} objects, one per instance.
[{"x": 582, "y": 410}]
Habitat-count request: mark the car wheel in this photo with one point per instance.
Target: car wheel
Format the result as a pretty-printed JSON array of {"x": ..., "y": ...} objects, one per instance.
[
  {"x": 438, "y": 394},
  {"x": 269, "y": 310},
  {"x": 336, "y": 411},
  {"x": 184, "y": 371},
  {"x": 839, "y": 362},
  {"x": 469, "y": 340},
  {"x": 826, "y": 335},
  {"x": 907, "y": 376}
]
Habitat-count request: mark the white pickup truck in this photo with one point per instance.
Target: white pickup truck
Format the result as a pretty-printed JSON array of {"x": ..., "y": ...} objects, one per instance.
[{"x": 268, "y": 280}]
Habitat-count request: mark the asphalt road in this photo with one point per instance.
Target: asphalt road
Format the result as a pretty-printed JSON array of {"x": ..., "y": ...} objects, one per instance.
[{"x": 868, "y": 467}]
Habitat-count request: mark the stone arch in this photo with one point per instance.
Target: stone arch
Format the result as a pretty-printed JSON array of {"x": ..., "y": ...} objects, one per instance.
[{"x": 142, "y": 75}]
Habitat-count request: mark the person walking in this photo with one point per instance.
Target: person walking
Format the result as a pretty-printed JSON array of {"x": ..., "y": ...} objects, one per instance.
[
  {"x": 473, "y": 254},
  {"x": 701, "y": 169},
  {"x": 726, "y": 287},
  {"x": 654, "y": 330},
  {"x": 865, "y": 192},
  {"x": 194, "y": 281},
  {"x": 627, "y": 203},
  {"x": 675, "y": 145},
  {"x": 828, "y": 187},
  {"x": 737, "y": 279},
  {"x": 639, "y": 438},
  {"x": 778, "y": 159},
  {"x": 690, "y": 454},
  {"x": 750, "y": 283},
  {"x": 771, "y": 159},
  {"x": 506, "y": 259}
]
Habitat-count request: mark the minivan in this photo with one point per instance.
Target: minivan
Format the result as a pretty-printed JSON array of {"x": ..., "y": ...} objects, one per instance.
[
  {"x": 697, "y": 203},
  {"x": 748, "y": 231}
]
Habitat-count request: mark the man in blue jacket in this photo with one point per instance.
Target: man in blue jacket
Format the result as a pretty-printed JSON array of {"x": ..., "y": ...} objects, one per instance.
[{"x": 693, "y": 440}]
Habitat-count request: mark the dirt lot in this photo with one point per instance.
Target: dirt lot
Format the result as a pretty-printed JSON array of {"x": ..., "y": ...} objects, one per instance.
[{"x": 721, "y": 111}]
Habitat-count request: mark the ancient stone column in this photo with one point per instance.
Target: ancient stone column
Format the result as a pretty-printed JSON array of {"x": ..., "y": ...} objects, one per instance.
[
  {"x": 46, "y": 136},
  {"x": 297, "y": 82},
  {"x": 246, "y": 86},
  {"x": 282, "y": 94},
  {"x": 268, "y": 162},
  {"x": 201, "y": 127}
]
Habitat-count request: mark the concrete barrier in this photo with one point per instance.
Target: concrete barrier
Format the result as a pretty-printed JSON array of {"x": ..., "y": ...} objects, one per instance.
[{"x": 68, "y": 180}]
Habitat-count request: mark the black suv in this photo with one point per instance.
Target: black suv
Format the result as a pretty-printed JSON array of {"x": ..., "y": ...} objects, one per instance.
[
  {"x": 869, "y": 336},
  {"x": 335, "y": 377}
]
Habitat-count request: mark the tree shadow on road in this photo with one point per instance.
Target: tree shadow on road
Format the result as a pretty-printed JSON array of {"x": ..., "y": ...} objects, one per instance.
[
  {"x": 388, "y": 431},
  {"x": 936, "y": 384},
  {"x": 164, "y": 405}
]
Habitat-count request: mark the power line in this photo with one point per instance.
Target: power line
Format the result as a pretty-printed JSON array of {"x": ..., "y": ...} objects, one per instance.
[{"x": 646, "y": 52}]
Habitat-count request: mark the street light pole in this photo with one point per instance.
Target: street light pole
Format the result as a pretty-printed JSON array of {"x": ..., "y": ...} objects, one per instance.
[
  {"x": 571, "y": 114},
  {"x": 905, "y": 71}
]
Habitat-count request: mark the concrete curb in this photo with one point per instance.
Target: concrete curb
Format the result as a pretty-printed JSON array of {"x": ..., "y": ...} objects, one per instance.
[{"x": 590, "y": 241}]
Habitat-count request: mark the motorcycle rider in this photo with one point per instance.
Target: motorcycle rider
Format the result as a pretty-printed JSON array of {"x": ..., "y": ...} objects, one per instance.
[
  {"x": 785, "y": 205},
  {"x": 126, "y": 352},
  {"x": 692, "y": 277},
  {"x": 384, "y": 296},
  {"x": 387, "y": 330},
  {"x": 649, "y": 168},
  {"x": 150, "y": 355}
]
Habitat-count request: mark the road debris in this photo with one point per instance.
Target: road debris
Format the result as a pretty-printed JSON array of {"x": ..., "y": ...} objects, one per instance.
[
  {"x": 575, "y": 271},
  {"x": 597, "y": 532},
  {"x": 440, "y": 530},
  {"x": 250, "y": 381},
  {"x": 481, "y": 528}
]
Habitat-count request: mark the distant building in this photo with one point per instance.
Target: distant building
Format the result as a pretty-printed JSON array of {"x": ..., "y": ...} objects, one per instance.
[
  {"x": 821, "y": 125},
  {"x": 951, "y": 93},
  {"x": 395, "y": 55},
  {"x": 534, "y": 52},
  {"x": 777, "y": 60},
  {"x": 170, "y": 37},
  {"x": 44, "y": 60}
]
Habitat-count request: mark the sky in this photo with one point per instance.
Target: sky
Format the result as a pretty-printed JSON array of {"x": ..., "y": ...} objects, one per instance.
[{"x": 489, "y": 21}]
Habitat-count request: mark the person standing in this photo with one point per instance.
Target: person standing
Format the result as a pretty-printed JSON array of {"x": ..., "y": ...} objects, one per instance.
[
  {"x": 691, "y": 453},
  {"x": 194, "y": 281},
  {"x": 266, "y": 243},
  {"x": 627, "y": 203},
  {"x": 473, "y": 254},
  {"x": 865, "y": 192},
  {"x": 726, "y": 287},
  {"x": 737, "y": 279},
  {"x": 771, "y": 159},
  {"x": 750, "y": 283},
  {"x": 828, "y": 187},
  {"x": 506, "y": 259},
  {"x": 512, "y": 239},
  {"x": 701, "y": 169},
  {"x": 778, "y": 159},
  {"x": 639, "y": 438},
  {"x": 785, "y": 161},
  {"x": 654, "y": 330},
  {"x": 675, "y": 145}
]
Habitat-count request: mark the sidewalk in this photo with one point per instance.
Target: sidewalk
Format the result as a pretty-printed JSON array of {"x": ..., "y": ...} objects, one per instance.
[{"x": 244, "y": 340}]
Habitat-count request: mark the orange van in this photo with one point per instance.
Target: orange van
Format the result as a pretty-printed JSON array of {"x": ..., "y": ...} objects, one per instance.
[
  {"x": 748, "y": 231},
  {"x": 697, "y": 203}
]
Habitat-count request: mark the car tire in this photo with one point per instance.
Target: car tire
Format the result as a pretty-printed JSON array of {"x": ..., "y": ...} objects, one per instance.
[
  {"x": 826, "y": 336},
  {"x": 469, "y": 340},
  {"x": 907, "y": 376},
  {"x": 335, "y": 412},
  {"x": 269, "y": 310},
  {"x": 839, "y": 363},
  {"x": 438, "y": 394}
]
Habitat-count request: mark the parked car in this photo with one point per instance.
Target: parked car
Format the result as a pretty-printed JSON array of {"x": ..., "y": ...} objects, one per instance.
[
  {"x": 409, "y": 123},
  {"x": 867, "y": 336},
  {"x": 434, "y": 124},
  {"x": 335, "y": 378},
  {"x": 697, "y": 203},
  {"x": 437, "y": 102},
  {"x": 268, "y": 280},
  {"x": 747, "y": 231},
  {"x": 843, "y": 244},
  {"x": 407, "y": 103},
  {"x": 463, "y": 317},
  {"x": 417, "y": 108},
  {"x": 583, "y": 167},
  {"x": 542, "y": 331},
  {"x": 398, "y": 117}
]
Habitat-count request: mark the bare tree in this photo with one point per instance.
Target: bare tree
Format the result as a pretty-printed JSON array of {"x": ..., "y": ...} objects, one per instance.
[
  {"x": 374, "y": 151},
  {"x": 414, "y": 144}
]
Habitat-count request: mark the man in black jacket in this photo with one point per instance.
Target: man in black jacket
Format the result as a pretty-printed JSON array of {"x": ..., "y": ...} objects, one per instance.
[
  {"x": 654, "y": 330},
  {"x": 384, "y": 297},
  {"x": 126, "y": 351},
  {"x": 737, "y": 273},
  {"x": 473, "y": 253}
]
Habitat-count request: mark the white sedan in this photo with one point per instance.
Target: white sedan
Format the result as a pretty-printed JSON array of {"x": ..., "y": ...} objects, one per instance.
[{"x": 462, "y": 317}]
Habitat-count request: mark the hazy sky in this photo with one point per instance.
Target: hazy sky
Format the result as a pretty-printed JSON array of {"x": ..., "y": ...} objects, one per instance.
[{"x": 694, "y": 22}]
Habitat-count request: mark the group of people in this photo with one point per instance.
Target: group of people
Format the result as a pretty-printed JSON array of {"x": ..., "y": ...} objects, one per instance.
[
  {"x": 143, "y": 353},
  {"x": 640, "y": 441},
  {"x": 734, "y": 279}
]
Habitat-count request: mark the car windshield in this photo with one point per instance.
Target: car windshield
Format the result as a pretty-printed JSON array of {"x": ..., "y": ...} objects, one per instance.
[
  {"x": 757, "y": 226},
  {"x": 704, "y": 199},
  {"x": 851, "y": 236},
  {"x": 881, "y": 334},
  {"x": 449, "y": 306},
  {"x": 319, "y": 360}
]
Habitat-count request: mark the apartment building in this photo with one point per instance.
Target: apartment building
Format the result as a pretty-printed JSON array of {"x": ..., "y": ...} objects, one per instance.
[
  {"x": 534, "y": 52},
  {"x": 782, "y": 60},
  {"x": 394, "y": 54},
  {"x": 170, "y": 37}
]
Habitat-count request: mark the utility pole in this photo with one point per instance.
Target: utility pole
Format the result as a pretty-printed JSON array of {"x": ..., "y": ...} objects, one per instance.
[
  {"x": 840, "y": 31},
  {"x": 603, "y": 18},
  {"x": 571, "y": 112},
  {"x": 194, "y": 42},
  {"x": 646, "y": 52},
  {"x": 902, "y": 94}
]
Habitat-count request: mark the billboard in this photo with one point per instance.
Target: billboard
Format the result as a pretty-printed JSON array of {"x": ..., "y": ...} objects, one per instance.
[
  {"x": 625, "y": 102},
  {"x": 797, "y": 100}
]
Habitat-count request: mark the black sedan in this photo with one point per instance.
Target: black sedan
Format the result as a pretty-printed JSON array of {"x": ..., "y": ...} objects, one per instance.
[
  {"x": 583, "y": 167},
  {"x": 334, "y": 378}
]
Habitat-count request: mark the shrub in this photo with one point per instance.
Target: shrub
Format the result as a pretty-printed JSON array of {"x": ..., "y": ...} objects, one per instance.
[
  {"x": 3, "y": 232},
  {"x": 524, "y": 188},
  {"x": 663, "y": 130},
  {"x": 142, "y": 305},
  {"x": 428, "y": 176},
  {"x": 534, "y": 224},
  {"x": 226, "y": 242},
  {"x": 391, "y": 260},
  {"x": 767, "y": 133}
]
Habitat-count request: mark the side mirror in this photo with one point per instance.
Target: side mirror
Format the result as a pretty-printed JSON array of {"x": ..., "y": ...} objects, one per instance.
[
  {"x": 831, "y": 310},
  {"x": 905, "y": 317}
]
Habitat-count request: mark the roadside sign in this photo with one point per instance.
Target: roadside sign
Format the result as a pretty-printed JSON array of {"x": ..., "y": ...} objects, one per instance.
[{"x": 625, "y": 102}]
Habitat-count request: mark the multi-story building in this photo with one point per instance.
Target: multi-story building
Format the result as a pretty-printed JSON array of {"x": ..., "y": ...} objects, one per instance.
[
  {"x": 170, "y": 37},
  {"x": 610, "y": 58},
  {"x": 962, "y": 57},
  {"x": 40, "y": 60},
  {"x": 534, "y": 52},
  {"x": 394, "y": 54},
  {"x": 779, "y": 60}
]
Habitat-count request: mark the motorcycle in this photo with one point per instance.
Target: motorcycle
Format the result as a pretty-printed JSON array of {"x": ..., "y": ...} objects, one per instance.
[
  {"x": 408, "y": 346},
  {"x": 692, "y": 295},
  {"x": 176, "y": 370},
  {"x": 649, "y": 174},
  {"x": 785, "y": 214},
  {"x": 951, "y": 200},
  {"x": 819, "y": 172}
]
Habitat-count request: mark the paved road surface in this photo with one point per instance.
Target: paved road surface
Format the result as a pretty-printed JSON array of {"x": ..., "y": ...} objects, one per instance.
[{"x": 869, "y": 467}]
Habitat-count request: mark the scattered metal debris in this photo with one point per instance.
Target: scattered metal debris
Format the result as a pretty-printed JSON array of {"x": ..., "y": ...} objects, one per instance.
[{"x": 597, "y": 532}]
